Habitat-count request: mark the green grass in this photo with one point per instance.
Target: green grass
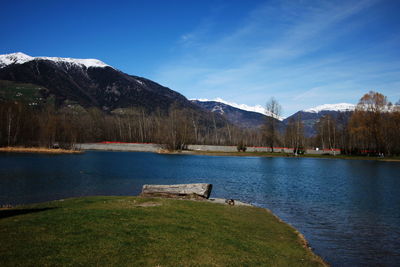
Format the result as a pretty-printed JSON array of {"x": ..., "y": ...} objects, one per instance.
[
  {"x": 133, "y": 231},
  {"x": 21, "y": 92}
]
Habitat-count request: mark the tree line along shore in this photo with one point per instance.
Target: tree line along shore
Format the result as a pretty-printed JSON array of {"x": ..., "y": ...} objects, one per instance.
[{"x": 373, "y": 128}]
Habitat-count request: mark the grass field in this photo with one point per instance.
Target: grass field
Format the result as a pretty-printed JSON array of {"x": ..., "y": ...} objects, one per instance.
[{"x": 133, "y": 231}]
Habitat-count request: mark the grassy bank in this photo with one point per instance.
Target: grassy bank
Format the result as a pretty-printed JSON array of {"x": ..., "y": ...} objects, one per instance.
[
  {"x": 42, "y": 150},
  {"x": 278, "y": 154},
  {"x": 132, "y": 231}
]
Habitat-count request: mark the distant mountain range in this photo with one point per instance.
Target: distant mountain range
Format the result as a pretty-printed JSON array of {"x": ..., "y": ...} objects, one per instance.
[
  {"x": 256, "y": 108},
  {"x": 93, "y": 83},
  {"x": 341, "y": 107},
  {"x": 310, "y": 119},
  {"x": 239, "y": 117},
  {"x": 250, "y": 119}
]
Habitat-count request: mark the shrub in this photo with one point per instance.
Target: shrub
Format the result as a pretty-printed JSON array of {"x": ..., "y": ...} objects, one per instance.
[{"x": 241, "y": 147}]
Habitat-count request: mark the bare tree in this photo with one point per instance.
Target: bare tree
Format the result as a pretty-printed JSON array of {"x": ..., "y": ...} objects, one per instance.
[
  {"x": 273, "y": 110},
  {"x": 367, "y": 120},
  {"x": 327, "y": 132},
  {"x": 294, "y": 134}
]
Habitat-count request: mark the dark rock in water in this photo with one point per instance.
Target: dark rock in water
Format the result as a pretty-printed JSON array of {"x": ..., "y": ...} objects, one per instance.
[{"x": 185, "y": 191}]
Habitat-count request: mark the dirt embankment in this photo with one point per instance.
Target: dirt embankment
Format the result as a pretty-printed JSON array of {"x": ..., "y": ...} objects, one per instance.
[{"x": 43, "y": 150}]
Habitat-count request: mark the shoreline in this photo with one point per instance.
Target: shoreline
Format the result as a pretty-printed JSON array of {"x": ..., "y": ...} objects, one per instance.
[
  {"x": 39, "y": 150},
  {"x": 216, "y": 151},
  {"x": 277, "y": 155},
  {"x": 302, "y": 238},
  {"x": 155, "y": 148}
]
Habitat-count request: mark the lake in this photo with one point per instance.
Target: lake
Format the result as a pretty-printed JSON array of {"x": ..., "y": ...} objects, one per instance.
[{"x": 348, "y": 210}]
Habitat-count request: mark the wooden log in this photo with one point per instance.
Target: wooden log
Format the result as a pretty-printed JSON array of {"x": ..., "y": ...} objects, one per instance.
[{"x": 186, "y": 191}]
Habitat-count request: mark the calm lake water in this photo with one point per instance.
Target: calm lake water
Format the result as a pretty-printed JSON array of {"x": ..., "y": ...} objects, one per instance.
[{"x": 348, "y": 210}]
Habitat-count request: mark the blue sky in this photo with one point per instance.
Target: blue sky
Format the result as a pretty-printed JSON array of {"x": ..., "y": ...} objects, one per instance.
[{"x": 303, "y": 53}]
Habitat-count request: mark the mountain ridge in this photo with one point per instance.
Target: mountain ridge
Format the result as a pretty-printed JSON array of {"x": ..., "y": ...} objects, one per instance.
[
  {"x": 21, "y": 58},
  {"x": 341, "y": 107},
  {"x": 239, "y": 117},
  {"x": 251, "y": 119},
  {"x": 89, "y": 82}
]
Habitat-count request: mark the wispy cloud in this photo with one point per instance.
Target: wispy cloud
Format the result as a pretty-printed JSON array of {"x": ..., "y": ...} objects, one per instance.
[{"x": 294, "y": 52}]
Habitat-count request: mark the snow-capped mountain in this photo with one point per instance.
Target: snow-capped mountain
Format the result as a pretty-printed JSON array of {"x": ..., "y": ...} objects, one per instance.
[
  {"x": 341, "y": 107},
  {"x": 237, "y": 116},
  {"x": 309, "y": 117},
  {"x": 21, "y": 58},
  {"x": 257, "y": 108},
  {"x": 89, "y": 83},
  {"x": 93, "y": 83},
  {"x": 245, "y": 116}
]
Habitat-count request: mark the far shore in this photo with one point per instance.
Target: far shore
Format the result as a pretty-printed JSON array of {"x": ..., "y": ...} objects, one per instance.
[
  {"x": 279, "y": 154},
  {"x": 155, "y": 148},
  {"x": 212, "y": 150},
  {"x": 41, "y": 150}
]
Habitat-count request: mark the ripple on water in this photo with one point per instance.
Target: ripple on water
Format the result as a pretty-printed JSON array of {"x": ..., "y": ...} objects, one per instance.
[{"x": 348, "y": 210}]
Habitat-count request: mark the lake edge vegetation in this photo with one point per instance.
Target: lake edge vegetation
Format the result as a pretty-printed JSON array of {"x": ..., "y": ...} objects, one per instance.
[
  {"x": 40, "y": 150},
  {"x": 373, "y": 128}
]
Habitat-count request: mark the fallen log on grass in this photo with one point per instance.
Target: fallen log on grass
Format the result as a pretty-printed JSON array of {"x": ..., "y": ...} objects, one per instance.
[{"x": 185, "y": 191}]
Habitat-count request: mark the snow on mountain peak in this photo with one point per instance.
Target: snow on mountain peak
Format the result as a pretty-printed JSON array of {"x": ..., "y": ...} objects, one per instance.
[
  {"x": 257, "y": 108},
  {"x": 14, "y": 58},
  {"x": 342, "y": 107},
  {"x": 86, "y": 62},
  {"x": 21, "y": 58}
]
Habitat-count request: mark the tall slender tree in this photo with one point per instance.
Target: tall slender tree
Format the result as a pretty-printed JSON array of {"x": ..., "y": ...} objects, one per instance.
[
  {"x": 294, "y": 134},
  {"x": 273, "y": 109}
]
